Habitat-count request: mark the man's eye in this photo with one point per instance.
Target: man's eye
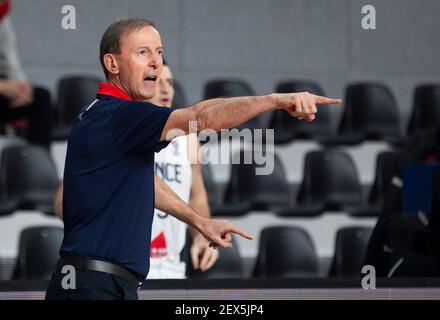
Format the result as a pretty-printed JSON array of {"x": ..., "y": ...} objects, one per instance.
[
  {"x": 143, "y": 52},
  {"x": 160, "y": 52}
]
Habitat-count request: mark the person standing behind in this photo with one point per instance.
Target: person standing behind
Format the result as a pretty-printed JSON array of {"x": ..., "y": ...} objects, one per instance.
[
  {"x": 173, "y": 166},
  {"x": 27, "y": 109}
]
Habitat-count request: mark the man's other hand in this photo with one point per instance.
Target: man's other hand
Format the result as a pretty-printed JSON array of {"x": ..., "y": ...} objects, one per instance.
[
  {"x": 218, "y": 232},
  {"x": 203, "y": 256},
  {"x": 19, "y": 92}
]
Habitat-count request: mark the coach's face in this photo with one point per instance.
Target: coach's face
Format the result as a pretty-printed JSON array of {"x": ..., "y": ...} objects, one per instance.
[{"x": 140, "y": 63}]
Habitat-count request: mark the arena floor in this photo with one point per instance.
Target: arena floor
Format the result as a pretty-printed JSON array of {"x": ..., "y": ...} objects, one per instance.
[{"x": 256, "y": 289}]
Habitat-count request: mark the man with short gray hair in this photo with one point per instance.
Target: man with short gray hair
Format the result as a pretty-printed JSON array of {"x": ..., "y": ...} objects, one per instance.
[{"x": 110, "y": 189}]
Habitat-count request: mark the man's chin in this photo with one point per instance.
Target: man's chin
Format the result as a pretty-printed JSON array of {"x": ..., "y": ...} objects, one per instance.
[{"x": 147, "y": 94}]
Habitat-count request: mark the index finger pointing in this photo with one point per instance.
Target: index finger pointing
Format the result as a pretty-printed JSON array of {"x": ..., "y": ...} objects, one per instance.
[
  {"x": 241, "y": 233},
  {"x": 325, "y": 100}
]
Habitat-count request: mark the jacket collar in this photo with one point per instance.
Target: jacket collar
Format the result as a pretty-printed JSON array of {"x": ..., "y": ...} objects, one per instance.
[{"x": 107, "y": 89}]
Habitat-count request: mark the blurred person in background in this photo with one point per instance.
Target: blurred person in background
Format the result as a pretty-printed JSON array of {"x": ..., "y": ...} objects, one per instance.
[
  {"x": 173, "y": 166},
  {"x": 23, "y": 109}
]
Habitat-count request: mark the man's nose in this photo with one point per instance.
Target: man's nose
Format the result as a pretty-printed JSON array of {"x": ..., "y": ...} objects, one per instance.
[
  {"x": 164, "y": 89},
  {"x": 155, "y": 61}
]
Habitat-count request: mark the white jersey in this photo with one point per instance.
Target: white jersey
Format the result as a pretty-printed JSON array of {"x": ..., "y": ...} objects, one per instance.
[{"x": 168, "y": 235}]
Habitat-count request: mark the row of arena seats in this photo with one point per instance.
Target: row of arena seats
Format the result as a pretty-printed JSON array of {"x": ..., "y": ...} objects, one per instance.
[
  {"x": 284, "y": 252},
  {"x": 330, "y": 183},
  {"x": 370, "y": 110},
  {"x": 28, "y": 181}
]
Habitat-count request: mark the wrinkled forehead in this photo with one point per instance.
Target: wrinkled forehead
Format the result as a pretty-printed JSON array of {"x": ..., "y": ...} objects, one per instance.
[{"x": 146, "y": 36}]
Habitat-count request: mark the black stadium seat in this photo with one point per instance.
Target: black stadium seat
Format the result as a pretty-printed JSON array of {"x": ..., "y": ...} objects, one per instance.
[
  {"x": 287, "y": 128},
  {"x": 350, "y": 248},
  {"x": 74, "y": 93},
  {"x": 286, "y": 252},
  {"x": 38, "y": 253},
  {"x": 227, "y": 88},
  {"x": 386, "y": 163},
  {"x": 233, "y": 88},
  {"x": 370, "y": 113},
  {"x": 7, "y": 206},
  {"x": 228, "y": 265},
  {"x": 29, "y": 178},
  {"x": 212, "y": 189},
  {"x": 371, "y": 110},
  {"x": 330, "y": 183},
  {"x": 260, "y": 192},
  {"x": 426, "y": 109}
]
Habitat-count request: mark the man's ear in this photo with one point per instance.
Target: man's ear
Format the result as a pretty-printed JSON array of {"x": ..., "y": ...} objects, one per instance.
[{"x": 111, "y": 63}]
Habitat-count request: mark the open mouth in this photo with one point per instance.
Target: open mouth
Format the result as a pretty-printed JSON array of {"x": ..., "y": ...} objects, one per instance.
[{"x": 150, "y": 79}]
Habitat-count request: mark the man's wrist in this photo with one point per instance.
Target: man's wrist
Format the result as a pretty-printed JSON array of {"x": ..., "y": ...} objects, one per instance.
[
  {"x": 271, "y": 100},
  {"x": 199, "y": 224},
  {"x": 197, "y": 237}
]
